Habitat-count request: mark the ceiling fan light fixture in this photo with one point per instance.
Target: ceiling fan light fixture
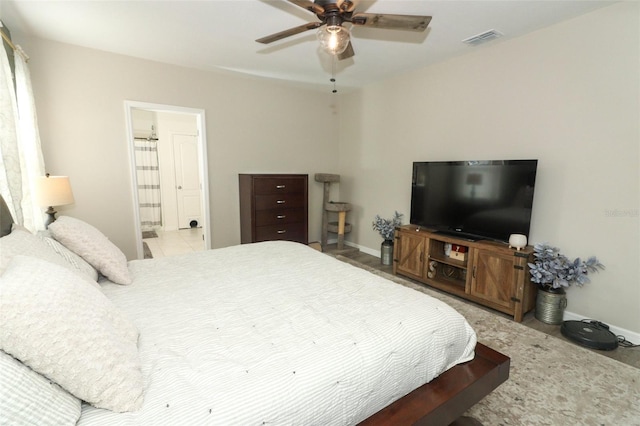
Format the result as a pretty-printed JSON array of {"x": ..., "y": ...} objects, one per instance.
[{"x": 334, "y": 39}]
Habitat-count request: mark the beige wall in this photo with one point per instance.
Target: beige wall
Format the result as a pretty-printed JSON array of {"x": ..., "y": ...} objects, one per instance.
[
  {"x": 253, "y": 126},
  {"x": 567, "y": 95}
]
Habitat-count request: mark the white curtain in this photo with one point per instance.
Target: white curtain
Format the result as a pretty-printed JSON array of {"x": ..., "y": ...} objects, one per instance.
[
  {"x": 21, "y": 161},
  {"x": 148, "y": 175}
]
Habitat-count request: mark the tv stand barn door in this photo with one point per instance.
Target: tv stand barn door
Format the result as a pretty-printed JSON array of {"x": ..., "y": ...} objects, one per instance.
[
  {"x": 493, "y": 279},
  {"x": 411, "y": 256},
  {"x": 486, "y": 272}
]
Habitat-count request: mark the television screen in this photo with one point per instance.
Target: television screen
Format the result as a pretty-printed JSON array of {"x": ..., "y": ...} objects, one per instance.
[{"x": 474, "y": 199}]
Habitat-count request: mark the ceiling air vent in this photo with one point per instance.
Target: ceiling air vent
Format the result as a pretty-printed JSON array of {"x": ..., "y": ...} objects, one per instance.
[{"x": 482, "y": 37}]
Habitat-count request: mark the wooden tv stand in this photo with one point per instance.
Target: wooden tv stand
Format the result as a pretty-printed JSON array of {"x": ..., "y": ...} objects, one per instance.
[{"x": 491, "y": 273}]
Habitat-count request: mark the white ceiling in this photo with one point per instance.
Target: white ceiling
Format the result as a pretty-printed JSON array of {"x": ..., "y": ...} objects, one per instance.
[{"x": 220, "y": 34}]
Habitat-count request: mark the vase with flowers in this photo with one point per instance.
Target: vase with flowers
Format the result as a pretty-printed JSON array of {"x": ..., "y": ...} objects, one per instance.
[
  {"x": 553, "y": 272},
  {"x": 386, "y": 228}
]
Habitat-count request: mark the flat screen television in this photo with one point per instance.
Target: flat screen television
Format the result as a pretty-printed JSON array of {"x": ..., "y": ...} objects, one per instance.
[{"x": 474, "y": 199}]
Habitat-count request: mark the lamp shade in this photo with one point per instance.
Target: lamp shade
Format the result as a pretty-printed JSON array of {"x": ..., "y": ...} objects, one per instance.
[
  {"x": 334, "y": 39},
  {"x": 53, "y": 191}
]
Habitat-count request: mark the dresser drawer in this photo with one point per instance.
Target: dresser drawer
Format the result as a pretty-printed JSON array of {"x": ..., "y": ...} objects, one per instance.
[
  {"x": 279, "y": 185},
  {"x": 290, "y": 231},
  {"x": 280, "y": 216},
  {"x": 280, "y": 201}
]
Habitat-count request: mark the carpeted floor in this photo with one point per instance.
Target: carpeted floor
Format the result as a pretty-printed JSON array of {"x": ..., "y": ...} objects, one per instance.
[{"x": 551, "y": 382}]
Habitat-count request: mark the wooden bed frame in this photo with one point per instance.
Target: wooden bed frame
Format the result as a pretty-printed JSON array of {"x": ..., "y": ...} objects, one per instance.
[
  {"x": 439, "y": 402},
  {"x": 445, "y": 399}
]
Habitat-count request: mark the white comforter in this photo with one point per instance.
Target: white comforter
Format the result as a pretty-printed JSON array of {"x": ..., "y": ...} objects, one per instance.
[{"x": 278, "y": 333}]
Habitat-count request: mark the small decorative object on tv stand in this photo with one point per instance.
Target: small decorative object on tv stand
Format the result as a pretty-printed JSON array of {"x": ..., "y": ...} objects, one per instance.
[
  {"x": 491, "y": 273},
  {"x": 517, "y": 241}
]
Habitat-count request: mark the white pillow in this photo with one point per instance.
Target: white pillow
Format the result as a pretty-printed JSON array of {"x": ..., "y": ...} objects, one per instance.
[
  {"x": 91, "y": 244},
  {"x": 73, "y": 259},
  {"x": 71, "y": 333},
  {"x": 27, "y": 398},
  {"x": 22, "y": 242}
]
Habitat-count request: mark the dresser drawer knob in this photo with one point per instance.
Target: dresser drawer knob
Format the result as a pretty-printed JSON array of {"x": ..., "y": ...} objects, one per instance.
[
  {"x": 280, "y": 186},
  {"x": 281, "y": 231},
  {"x": 281, "y": 216},
  {"x": 280, "y": 201}
]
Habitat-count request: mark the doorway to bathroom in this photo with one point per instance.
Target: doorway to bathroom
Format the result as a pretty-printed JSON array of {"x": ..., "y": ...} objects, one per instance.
[{"x": 169, "y": 172}]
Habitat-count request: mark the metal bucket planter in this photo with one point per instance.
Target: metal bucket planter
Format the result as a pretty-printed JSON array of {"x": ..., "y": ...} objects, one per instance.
[
  {"x": 386, "y": 252},
  {"x": 550, "y": 306}
]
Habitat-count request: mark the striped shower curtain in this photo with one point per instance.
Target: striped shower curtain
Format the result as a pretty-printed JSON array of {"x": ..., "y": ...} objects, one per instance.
[{"x": 148, "y": 175}]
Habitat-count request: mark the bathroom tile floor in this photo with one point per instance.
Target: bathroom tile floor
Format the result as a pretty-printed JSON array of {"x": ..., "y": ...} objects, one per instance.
[{"x": 170, "y": 243}]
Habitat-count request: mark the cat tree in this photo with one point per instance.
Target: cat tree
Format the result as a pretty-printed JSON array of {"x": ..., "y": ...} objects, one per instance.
[{"x": 341, "y": 227}]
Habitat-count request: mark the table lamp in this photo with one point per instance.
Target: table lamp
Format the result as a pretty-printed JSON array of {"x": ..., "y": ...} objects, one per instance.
[{"x": 53, "y": 191}]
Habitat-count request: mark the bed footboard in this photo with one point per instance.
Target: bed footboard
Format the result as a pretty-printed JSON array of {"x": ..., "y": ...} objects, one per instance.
[{"x": 443, "y": 400}]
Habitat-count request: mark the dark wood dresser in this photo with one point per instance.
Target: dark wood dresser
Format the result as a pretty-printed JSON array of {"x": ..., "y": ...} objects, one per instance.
[{"x": 273, "y": 207}]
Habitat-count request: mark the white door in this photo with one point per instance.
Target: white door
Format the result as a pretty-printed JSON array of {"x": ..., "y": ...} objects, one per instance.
[{"x": 185, "y": 155}]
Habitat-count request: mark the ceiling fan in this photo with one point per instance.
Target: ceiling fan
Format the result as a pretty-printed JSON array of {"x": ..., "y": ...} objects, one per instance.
[{"x": 334, "y": 38}]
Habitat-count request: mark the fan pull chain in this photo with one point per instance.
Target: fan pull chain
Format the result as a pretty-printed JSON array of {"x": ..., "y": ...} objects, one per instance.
[{"x": 333, "y": 73}]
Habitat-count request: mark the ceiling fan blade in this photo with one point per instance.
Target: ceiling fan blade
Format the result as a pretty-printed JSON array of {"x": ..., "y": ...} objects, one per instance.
[
  {"x": 347, "y": 53},
  {"x": 346, "y": 6},
  {"x": 309, "y": 5},
  {"x": 397, "y": 22},
  {"x": 286, "y": 33}
]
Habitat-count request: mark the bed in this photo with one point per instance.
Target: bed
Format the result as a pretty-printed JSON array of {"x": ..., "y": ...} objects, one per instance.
[{"x": 264, "y": 333}]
